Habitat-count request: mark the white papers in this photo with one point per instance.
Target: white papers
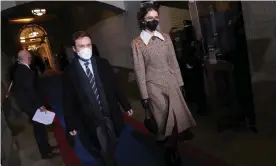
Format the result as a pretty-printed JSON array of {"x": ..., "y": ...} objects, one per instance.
[{"x": 44, "y": 117}]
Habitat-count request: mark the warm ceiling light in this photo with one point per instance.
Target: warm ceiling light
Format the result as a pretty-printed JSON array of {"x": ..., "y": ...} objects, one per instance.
[
  {"x": 39, "y": 12},
  {"x": 22, "y": 20},
  {"x": 22, "y": 41},
  {"x": 33, "y": 34},
  {"x": 22, "y": 38}
]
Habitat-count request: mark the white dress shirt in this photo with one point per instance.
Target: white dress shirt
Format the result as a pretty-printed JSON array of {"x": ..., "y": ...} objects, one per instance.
[
  {"x": 146, "y": 36},
  {"x": 89, "y": 66}
]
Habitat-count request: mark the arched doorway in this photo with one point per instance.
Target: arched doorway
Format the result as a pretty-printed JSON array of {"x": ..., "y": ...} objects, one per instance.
[{"x": 34, "y": 39}]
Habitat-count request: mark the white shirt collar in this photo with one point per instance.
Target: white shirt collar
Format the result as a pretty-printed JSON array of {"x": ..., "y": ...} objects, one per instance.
[
  {"x": 82, "y": 62},
  {"x": 145, "y": 36},
  {"x": 83, "y": 66},
  {"x": 25, "y": 64}
]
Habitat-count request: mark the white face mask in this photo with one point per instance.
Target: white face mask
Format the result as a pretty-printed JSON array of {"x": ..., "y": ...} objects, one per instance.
[{"x": 85, "y": 53}]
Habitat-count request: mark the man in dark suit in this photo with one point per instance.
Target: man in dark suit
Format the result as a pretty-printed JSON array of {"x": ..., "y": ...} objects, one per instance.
[
  {"x": 28, "y": 100},
  {"x": 91, "y": 101}
]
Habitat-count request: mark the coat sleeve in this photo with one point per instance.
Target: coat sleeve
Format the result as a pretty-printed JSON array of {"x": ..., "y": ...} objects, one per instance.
[
  {"x": 69, "y": 101},
  {"x": 139, "y": 69},
  {"x": 173, "y": 62},
  {"x": 118, "y": 90}
]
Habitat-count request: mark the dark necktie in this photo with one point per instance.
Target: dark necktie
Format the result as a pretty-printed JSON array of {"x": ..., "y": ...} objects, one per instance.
[{"x": 93, "y": 83}]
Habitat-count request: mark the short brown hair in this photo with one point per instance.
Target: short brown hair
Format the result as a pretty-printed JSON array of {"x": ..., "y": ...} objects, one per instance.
[{"x": 78, "y": 35}]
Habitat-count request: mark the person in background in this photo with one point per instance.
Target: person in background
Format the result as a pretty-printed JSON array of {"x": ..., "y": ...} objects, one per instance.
[
  {"x": 193, "y": 68},
  {"x": 160, "y": 83},
  {"x": 47, "y": 63},
  {"x": 28, "y": 101},
  {"x": 91, "y": 98},
  {"x": 62, "y": 57}
]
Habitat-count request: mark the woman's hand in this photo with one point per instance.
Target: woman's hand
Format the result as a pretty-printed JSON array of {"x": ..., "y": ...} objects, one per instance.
[{"x": 145, "y": 103}]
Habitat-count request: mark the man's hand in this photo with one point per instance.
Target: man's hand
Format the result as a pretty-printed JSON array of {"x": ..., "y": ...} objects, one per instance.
[
  {"x": 42, "y": 109},
  {"x": 130, "y": 113},
  {"x": 73, "y": 133}
]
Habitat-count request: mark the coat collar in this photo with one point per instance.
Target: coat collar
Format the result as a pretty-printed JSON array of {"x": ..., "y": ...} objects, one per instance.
[
  {"x": 24, "y": 64},
  {"x": 145, "y": 36}
]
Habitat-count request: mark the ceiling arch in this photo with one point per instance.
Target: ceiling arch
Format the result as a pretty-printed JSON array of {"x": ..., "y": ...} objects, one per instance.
[
  {"x": 31, "y": 31},
  {"x": 9, "y": 4}
]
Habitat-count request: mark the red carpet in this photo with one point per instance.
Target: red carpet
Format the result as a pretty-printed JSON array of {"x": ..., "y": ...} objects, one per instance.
[
  {"x": 70, "y": 158},
  {"x": 67, "y": 153}
]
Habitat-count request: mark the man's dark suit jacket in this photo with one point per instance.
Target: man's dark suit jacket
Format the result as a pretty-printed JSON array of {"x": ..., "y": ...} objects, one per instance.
[
  {"x": 77, "y": 110},
  {"x": 24, "y": 91}
]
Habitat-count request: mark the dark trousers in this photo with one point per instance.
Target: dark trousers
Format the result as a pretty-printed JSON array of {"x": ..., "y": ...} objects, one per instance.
[
  {"x": 194, "y": 87},
  {"x": 41, "y": 137},
  {"x": 243, "y": 86},
  {"x": 107, "y": 140}
]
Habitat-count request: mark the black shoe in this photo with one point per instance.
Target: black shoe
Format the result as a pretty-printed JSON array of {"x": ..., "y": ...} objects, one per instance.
[
  {"x": 172, "y": 158},
  {"x": 162, "y": 142},
  {"x": 50, "y": 155},
  {"x": 55, "y": 147}
]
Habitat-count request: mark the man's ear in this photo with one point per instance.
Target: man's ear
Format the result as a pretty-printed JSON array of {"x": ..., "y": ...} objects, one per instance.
[{"x": 74, "y": 49}]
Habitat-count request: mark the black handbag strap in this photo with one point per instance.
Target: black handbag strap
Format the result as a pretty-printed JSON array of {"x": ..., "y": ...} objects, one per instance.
[{"x": 147, "y": 113}]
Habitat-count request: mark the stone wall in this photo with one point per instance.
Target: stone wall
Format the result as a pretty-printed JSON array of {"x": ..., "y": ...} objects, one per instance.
[
  {"x": 113, "y": 36},
  {"x": 260, "y": 27}
]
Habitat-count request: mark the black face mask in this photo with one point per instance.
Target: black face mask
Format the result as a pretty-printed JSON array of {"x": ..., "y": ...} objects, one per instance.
[{"x": 152, "y": 25}]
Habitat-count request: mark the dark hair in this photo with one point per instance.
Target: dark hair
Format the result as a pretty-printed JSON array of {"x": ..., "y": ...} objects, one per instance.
[
  {"x": 144, "y": 11},
  {"x": 78, "y": 35}
]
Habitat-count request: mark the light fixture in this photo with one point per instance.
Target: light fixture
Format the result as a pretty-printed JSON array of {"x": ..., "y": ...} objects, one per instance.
[
  {"x": 32, "y": 47},
  {"x": 22, "y": 41},
  {"x": 38, "y": 12},
  {"x": 22, "y": 20},
  {"x": 33, "y": 34}
]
